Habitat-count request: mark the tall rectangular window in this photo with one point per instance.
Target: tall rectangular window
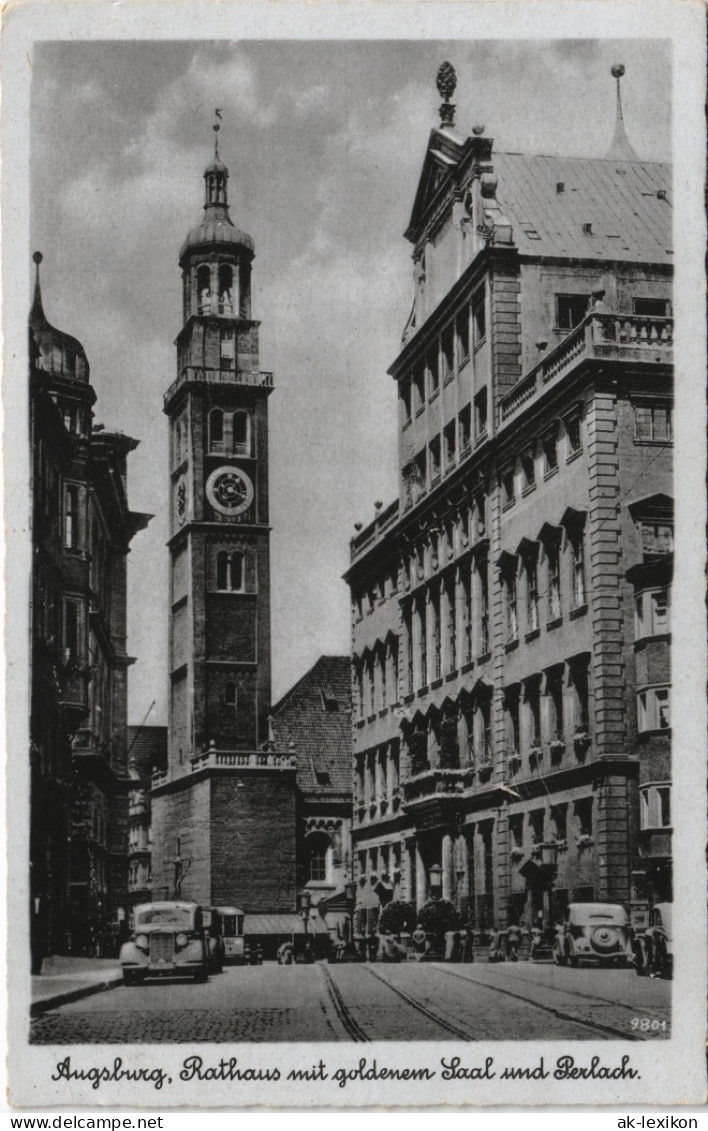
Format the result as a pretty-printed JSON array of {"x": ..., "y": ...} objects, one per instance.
[
  {"x": 466, "y": 595},
  {"x": 483, "y": 606},
  {"x": 450, "y": 442},
  {"x": 653, "y": 421},
  {"x": 434, "y": 457},
  {"x": 479, "y": 316},
  {"x": 462, "y": 331},
  {"x": 465, "y": 429},
  {"x": 554, "y": 593},
  {"x": 435, "y": 632},
  {"x": 450, "y": 601},
  {"x": 71, "y": 518},
  {"x": 480, "y": 414},
  {"x": 578, "y": 551},
  {"x": 404, "y": 391},
  {"x": 448, "y": 353},
  {"x": 71, "y": 630},
  {"x": 433, "y": 367}
]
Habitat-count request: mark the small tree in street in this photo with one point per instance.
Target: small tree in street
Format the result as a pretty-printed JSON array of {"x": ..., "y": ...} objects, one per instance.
[
  {"x": 438, "y": 916},
  {"x": 397, "y": 916}
]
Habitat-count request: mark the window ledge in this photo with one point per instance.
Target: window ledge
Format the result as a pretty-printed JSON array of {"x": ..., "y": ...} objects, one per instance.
[
  {"x": 360, "y": 723},
  {"x": 465, "y": 450},
  {"x": 383, "y": 712},
  {"x": 578, "y": 611},
  {"x": 528, "y": 490},
  {"x": 508, "y": 504},
  {"x": 481, "y": 438},
  {"x": 574, "y": 455},
  {"x": 436, "y": 683},
  {"x": 451, "y": 675},
  {"x": 467, "y": 667},
  {"x": 551, "y": 472},
  {"x": 420, "y": 410},
  {"x": 462, "y": 363},
  {"x": 409, "y": 697},
  {"x": 653, "y": 443},
  {"x": 371, "y": 718},
  {"x": 480, "y": 343},
  {"x": 484, "y": 658},
  {"x": 555, "y": 623},
  {"x": 532, "y": 635},
  {"x": 654, "y": 733},
  {"x": 511, "y": 645},
  {"x": 449, "y": 377},
  {"x": 406, "y": 423},
  {"x": 433, "y": 395},
  {"x": 422, "y": 690}
]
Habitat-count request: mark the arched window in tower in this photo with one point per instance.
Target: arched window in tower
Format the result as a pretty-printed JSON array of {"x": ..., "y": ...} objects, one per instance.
[
  {"x": 204, "y": 290},
  {"x": 226, "y": 293},
  {"x": 216, "y": 430},
  {"x": 222, "y": 570},
  {"x": 236, "y": 572},
  {"x": 245, "y": 291},
  {"x": 242, "y": 434},
  {"x": 230, "y": 573},
  {"x": 230, "y": 695}
]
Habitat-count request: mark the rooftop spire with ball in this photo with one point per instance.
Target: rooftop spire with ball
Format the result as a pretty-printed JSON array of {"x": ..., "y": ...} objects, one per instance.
[
  {"x": 446, "y": 82},
  {"x": 620, "y": 148}
]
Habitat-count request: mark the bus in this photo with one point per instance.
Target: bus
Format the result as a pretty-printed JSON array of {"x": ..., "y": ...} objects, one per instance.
[{"x": 236, "y": 950}]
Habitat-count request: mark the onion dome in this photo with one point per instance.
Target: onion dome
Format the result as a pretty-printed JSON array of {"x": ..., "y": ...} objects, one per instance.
[
  {"x": 216, "y": 229},
  {"x": 58, "y": 353}
]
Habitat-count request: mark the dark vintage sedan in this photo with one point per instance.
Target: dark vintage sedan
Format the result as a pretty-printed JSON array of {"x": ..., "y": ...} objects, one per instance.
[{"x": 167, "y": 941}]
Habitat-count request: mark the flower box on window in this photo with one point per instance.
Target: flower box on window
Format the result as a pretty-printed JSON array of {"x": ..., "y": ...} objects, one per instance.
[
  {"x": 517, "y": 854},
  {"x": 581, "y": 741},
  {"x": 585, "y": 841}
]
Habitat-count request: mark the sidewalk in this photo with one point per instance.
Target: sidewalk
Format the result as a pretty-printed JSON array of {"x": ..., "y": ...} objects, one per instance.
[{"x": 68, "y": 979}]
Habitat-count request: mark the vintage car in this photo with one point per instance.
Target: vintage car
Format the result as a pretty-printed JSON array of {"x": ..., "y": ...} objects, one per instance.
[
  {"x": 167, "y": 941},
  {"x": 598, "y": 931},
  {"x": 214, "y": 938},
  {"x": 654, "y": 946}
]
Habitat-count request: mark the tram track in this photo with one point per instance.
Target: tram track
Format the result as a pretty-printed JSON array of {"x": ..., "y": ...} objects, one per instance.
[
  {"x": 347, "y": 1019},
  {"x": 559, "y": 1014},
  {"x": 448, "y": 1026}
]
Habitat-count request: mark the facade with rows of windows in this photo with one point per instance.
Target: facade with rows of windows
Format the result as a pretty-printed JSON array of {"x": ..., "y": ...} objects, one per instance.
[
  {"x": 511, "y": 609},
  {"x": 82, "y": 528}
]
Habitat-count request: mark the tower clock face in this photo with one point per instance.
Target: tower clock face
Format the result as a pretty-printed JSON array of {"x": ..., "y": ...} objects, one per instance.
[{"x": 229, "y": 490}]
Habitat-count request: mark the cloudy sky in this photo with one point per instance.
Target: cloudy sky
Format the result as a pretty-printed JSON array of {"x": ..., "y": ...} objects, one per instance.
[{"x": 324, "y": 142}]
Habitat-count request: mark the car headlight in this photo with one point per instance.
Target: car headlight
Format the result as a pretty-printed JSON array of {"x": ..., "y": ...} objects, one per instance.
[
  {"x": 181, "y": 939},
  {"x": 141, "y": 941}
]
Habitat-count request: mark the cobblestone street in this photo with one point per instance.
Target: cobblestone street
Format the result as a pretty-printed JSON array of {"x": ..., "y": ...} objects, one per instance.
[{"x": 371, "y": 1002}]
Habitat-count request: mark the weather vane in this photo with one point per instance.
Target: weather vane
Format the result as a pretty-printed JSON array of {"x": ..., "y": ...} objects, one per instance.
[{"x": 216, "y": 127}]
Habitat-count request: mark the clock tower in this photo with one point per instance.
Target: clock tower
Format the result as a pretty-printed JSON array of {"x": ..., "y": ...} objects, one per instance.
[{"x": 224, "y": 813}]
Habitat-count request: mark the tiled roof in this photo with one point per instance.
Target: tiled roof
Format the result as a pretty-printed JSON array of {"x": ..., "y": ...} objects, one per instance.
[
  {"x": 619, "y": 199},
  {"x": 147, "y": 750},
  {"x": 314, "y": 719}
]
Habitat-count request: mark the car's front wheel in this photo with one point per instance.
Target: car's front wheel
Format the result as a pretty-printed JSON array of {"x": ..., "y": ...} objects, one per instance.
[
  {"x": 641, "y": 964},
  {"x": 558, "y": 955}
]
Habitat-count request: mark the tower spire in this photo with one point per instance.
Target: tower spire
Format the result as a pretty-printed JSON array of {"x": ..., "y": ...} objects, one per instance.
[
  {"x": 37, "y": 307},
  {"x": 216, "y": 177},
  {"x": 621, "y": 147}
]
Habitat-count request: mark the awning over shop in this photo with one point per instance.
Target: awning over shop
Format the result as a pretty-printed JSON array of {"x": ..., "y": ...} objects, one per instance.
[{"x": 282, "y": 924}]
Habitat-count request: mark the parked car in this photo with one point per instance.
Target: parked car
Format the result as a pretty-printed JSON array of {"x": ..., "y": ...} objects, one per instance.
[
  {"x": 598, "y": 931},
  {"x": 213, "y": 938},
  {"x": 167, "y": 941},
  {"x": 654, "y": 946}
]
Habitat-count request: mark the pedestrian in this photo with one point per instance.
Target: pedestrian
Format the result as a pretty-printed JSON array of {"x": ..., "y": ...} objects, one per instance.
[
  {"x": 513, "y": 939},
  {"x": 420, "y": 941}
]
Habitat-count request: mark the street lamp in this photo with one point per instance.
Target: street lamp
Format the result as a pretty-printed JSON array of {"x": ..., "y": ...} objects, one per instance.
[
  {"x": 549, "y": 864},
  {"x": 435, "y": 881},
  {"x": 350, "y": 901},
  {"x": 304, "y": 903}
]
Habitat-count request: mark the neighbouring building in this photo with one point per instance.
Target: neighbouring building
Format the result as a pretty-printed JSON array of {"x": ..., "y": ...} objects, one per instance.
[
  {"x": 313, "y": 722},
  {"x": 224, "y": 811},
  {"x": 511, "y": 609},
  {"x": 82, "y": 528},
  {"x": 147, "y": 755}
]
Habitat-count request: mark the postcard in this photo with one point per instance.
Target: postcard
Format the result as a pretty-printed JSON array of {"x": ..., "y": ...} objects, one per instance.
[{"x": 355, "y": 508}]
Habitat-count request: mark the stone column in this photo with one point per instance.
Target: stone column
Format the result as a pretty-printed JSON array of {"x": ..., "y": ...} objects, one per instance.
[
  {"x": 408, "y": 870},
  {"x": 214, "y": 287},
  {"x": 421, "y": 878},
  {"x": 448, "y": 867}
]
